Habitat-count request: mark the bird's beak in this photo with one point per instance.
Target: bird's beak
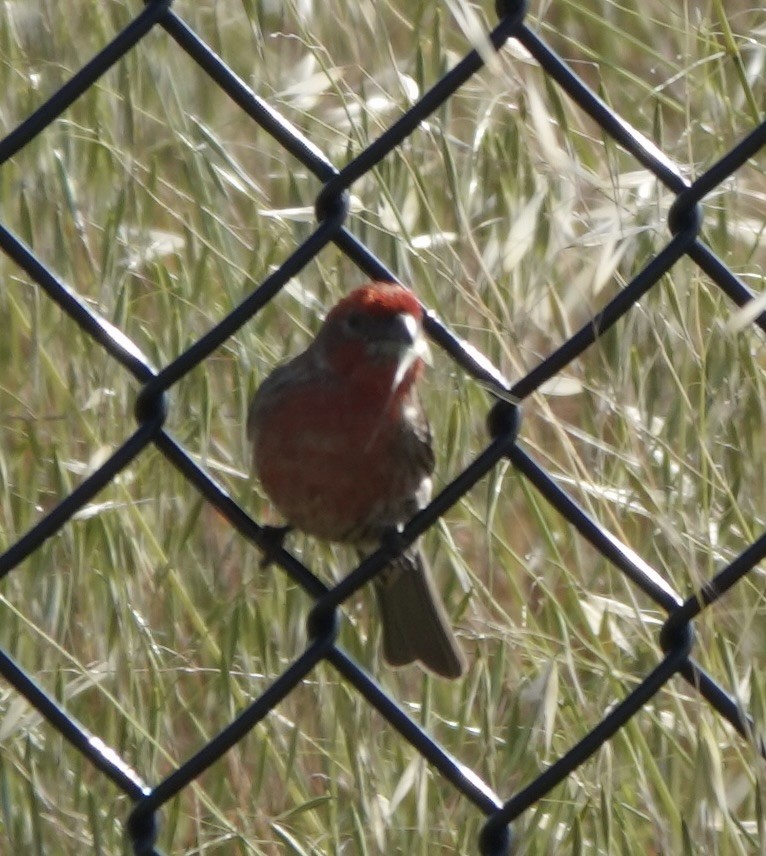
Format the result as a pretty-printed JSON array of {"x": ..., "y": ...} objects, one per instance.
[{"x": 416, "y": 348}]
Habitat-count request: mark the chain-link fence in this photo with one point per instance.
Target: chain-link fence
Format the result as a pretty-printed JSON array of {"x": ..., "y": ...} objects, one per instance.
[{"x": 676, "y": 636}]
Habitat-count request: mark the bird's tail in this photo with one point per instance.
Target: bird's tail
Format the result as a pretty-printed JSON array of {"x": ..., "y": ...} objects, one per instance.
[{"x": 415, "y": 622}]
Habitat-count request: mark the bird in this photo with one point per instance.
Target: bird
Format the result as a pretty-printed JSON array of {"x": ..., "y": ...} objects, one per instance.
[{"x": 343, "y": 450}]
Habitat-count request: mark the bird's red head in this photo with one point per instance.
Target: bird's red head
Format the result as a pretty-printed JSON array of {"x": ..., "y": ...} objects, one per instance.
[
  {"x": 378, "y": 300},
  {"x": 379, "y": 324}
]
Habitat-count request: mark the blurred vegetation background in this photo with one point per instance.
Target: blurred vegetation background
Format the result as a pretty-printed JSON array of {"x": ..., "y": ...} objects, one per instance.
[{"x": 515, "y": 219}]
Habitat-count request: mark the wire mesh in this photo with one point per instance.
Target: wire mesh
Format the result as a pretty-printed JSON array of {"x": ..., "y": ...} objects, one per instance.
[{"x": 332, "y": 211}]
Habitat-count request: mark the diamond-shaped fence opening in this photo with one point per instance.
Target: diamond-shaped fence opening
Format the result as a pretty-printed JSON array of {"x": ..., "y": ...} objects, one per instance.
[{"x": 138, "y": 349}]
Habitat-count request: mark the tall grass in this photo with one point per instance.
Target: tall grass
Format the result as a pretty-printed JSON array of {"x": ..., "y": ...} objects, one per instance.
[{"x": 514, "y": 218}]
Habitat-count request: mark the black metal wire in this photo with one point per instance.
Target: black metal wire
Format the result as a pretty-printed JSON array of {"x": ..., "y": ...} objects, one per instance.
[{"x": 676, "y": 638}]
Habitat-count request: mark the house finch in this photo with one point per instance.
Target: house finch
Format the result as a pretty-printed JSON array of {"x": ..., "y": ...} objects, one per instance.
[{"x": 342, "y": 448}]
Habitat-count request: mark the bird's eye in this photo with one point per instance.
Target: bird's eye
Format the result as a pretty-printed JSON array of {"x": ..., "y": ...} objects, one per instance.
[{"x": 355, "y": 322}]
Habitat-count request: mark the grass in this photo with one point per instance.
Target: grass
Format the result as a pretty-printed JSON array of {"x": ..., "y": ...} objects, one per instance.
[{"x": 515, "y": 219}]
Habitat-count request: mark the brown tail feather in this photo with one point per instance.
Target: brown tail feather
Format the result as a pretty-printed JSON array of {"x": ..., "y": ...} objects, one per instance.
[{"x": 415, "y": 622}]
